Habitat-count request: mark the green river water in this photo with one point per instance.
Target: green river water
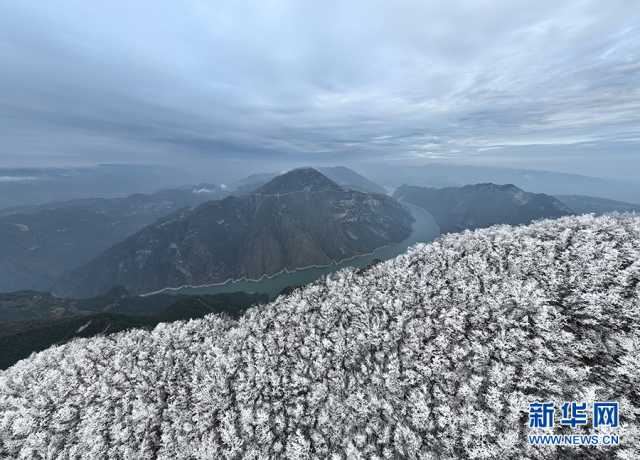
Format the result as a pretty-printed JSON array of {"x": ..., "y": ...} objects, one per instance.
[{"x": 424, "y": 230}]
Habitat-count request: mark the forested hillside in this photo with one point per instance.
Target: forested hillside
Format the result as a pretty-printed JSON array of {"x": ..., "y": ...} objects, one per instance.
[
  {"x": 434, "y": 354},
  {"x": 298, "y": 219},
  {"x": 456, "y": 209},
  {"x": 39, "y": 243},
  {"x": 34, "y": 321}
]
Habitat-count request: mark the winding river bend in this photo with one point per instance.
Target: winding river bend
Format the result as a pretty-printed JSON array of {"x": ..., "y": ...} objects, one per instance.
[{"x": 424, "y": 229}]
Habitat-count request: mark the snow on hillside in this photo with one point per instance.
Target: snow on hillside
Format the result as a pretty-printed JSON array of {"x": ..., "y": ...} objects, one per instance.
[{"x": 436, "y": 353}]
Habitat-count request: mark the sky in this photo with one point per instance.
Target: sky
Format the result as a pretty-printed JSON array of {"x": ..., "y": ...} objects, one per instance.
[{"x": 541, "y": 84}]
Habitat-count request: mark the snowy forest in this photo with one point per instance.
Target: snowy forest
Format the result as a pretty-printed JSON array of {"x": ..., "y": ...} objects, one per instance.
[{"x": 434, "y": 354}]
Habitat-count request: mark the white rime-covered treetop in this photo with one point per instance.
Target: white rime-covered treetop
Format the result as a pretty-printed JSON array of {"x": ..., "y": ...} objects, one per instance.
[{"x": 434, "y": 354}]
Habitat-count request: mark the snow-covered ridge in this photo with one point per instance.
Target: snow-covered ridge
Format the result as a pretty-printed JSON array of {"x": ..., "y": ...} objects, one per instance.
[{"x": 436, "y": 353}]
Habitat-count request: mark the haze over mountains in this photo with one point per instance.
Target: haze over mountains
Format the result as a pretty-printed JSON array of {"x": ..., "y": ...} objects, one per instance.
[
  {"x": 582, "y": 204},
  {"x": 481, "y": 205},
  {"x": 345, "y": 177},
  {"x": 537, "y": 181},
  {"x": 297, "y": 219},
  {"x": 29, "y": 186},
  {"x": 34, "y": 186},
  {"x": 39, "y": 243},
  {"x": 42, "y": 242}
]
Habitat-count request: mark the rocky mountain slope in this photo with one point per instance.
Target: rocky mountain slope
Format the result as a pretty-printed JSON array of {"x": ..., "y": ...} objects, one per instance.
[
  {"x": 298, "y": 219},
  {"x": 39, "y": 243},
  {"x": 434, "y": 354},
  {"x": 481, "y": 205}
]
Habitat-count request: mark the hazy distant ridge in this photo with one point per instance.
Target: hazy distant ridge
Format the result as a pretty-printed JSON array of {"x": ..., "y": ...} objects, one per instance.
[{"x": 481, "y": 205}]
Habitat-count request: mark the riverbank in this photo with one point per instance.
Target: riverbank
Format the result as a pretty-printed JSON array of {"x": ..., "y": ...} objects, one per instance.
[{"x": 424, "y": 230}]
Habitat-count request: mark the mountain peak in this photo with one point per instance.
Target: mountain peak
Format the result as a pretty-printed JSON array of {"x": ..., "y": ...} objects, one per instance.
[{"x": 298, "y": 180}]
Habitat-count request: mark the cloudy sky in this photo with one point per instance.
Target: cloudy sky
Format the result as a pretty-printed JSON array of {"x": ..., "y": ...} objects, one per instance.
[{"x": 547, "y": 84}]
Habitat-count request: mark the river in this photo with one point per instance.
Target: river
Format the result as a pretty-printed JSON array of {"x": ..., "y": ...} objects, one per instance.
[{"x": 424, "y": 229}]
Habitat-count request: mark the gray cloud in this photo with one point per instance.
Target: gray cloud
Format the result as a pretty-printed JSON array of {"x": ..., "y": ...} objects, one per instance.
[{"x": 306, "y": 81}]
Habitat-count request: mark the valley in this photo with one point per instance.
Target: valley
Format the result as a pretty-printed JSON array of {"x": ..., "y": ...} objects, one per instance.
[
  {"x": 297, "y": 219},
  {"x": 32, "y": 320},
  {"x": 424, "y": 229}
]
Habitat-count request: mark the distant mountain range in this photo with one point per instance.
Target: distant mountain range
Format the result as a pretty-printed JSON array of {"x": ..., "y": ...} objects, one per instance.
[
  {"x": 481, "y": 205},
  {"x": 33, "y": 186},
  {"x": 581, "y": 204},
  {"x": 39, "y": 243},
  {"x": 538, "y": 181},
  {"x": 298, "y": 219},
  {"x": 159, "y": 202}
]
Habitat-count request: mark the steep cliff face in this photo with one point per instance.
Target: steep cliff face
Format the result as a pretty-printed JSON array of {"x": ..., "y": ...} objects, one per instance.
[
  {"x": 481, "y": 205},
  {"x": 434, "y": 354},
  {"x": 298, "y": 219}
]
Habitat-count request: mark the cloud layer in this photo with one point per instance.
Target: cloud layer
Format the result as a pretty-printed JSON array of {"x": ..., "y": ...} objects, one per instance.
[{"x": 314, "y": 81}]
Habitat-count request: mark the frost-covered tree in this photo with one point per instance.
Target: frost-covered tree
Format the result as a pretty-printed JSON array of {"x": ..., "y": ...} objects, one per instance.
[{"x": 435, "y": 354}]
